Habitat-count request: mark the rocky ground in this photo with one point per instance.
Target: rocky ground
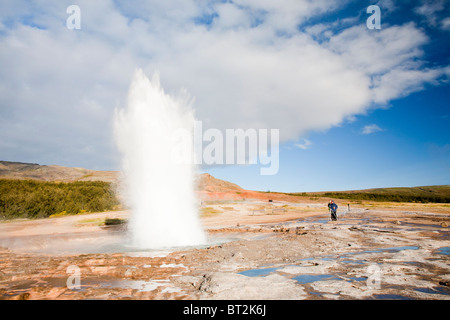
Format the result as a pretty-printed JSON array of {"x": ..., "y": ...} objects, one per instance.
[{"x": 257, "y": 250}]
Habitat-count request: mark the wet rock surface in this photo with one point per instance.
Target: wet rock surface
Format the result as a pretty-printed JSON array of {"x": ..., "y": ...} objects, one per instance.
[{"x": 366, "y": 254}]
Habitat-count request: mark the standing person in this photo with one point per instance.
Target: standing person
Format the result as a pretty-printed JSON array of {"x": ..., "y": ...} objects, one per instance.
[{"x": 333, "y": 209}]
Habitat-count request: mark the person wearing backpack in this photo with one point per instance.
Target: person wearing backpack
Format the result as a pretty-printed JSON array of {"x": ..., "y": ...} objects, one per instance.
[{"x": 333, "y": 210}]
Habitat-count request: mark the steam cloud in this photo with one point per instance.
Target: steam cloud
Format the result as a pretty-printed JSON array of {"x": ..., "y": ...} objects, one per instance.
[{"x": 160, "y": 192}]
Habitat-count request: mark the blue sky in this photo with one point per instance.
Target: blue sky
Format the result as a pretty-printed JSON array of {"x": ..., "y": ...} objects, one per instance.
[
  {"x": 356, "y": 108},
  {"x": 411, "y": 149}
]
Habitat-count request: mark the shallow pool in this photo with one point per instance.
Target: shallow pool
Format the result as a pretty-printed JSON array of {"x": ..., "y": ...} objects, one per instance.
[{"x": 444, "y": 250}]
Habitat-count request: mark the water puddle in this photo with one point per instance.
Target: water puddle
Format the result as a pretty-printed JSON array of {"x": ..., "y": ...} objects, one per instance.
[
  {"x": 315, "y": 219},
  {"x": 357, "y": 279},
  {"x": 322, "y": 221},
  {"x": 21, "y": 285},
  {"x": 295, "y": 271},
  {"x": 444, "y": 250},
  {"x": 343, "y": 258},
  {"x": 309, "y": 278},
  {"x": 421, "y": 226},
  {"x": 94, "y": 282},
  {"x": 434, "y": 290},
  {"x": 261, "y": 272},
  {"x": 391, "y": 297},
  {"x": 391, "y": 249},
  {"x": 354, "y": 261}
]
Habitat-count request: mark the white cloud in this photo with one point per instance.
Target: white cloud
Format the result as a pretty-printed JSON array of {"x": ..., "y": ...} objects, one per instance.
[
  {"x": 433, "y": 13},
  {"x": 371, "y": 128},
  {"x": 240, "y": 80},
  {"x": 231, "y": 16},
  {"x": 429, "y": 10},
  {"x": 305, "y": 144},
  {"x": 445, "y": 23},
  {"x": 390, "y": 57},
  {"x": 286, "y": 15},
  {"x": 400, "y": 82},
  {"x": 379, "y": 52},
  {"x": 387, "y": 5}
]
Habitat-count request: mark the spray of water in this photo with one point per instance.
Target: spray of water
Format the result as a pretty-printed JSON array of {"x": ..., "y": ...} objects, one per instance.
[{"x": 159, "y": 190}]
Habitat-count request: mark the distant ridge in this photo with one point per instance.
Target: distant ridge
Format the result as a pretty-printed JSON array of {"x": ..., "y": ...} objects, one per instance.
[
  {"x": 211, "y": 188},
  {"x": 438, "y": 193},
  {"x": 34, "y": 171},
  {"x": 208, "y": 183}
]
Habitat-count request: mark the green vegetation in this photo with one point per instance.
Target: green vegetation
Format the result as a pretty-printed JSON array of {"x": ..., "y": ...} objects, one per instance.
[
  {"x": 208, "y": 211},
  {"x": 91, "y": 221},
  {"x": 114, "y": 221},
  {"x": 37, "y": 199},
  {"x": 434, "y": 194}
]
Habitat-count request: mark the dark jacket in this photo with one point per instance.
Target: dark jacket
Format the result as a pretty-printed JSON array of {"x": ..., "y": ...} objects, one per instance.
[{"x": 333, "y": 206}]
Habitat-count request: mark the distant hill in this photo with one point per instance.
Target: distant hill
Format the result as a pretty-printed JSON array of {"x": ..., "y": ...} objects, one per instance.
[
  {"x": 208, "y": 183},
  {"x": 210, "y": 187},
  {"x": 34, "y": 171},
  {"x": 439, "y": 193}
]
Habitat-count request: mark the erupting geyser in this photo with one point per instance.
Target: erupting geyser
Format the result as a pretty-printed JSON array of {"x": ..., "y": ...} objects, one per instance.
[{"x": 160, "y": 190}]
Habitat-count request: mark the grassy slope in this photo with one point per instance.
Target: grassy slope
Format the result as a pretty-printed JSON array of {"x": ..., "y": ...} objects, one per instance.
[
  {"x": 39, "y": 199},
  {"x": 439, "y": 194}
]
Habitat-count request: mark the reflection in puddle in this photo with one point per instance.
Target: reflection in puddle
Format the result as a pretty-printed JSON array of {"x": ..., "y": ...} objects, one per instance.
[
  {"x": 309, "y": 278},
  {"x": 357, "y": 279},
  {"x": 434, "y": 290},
  {"x": 354, "y": 261},
  {"x": 103, "y": 282},
  {"x": 347, "y": 258},
  {"x": 391, "y": 249},
  {"x": 258, "y": 272},
  {"x": 444, "y": 250},
  {"x": 317, "y": 277},
  {"x": 391, "y": 297}
]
